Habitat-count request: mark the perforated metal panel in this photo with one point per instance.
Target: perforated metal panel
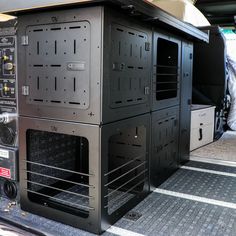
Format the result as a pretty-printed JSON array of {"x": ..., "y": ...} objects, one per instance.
[
  {"x": 130, "y": 69},
  {"x": 58, "y": 64},
  {"x": 164, "y": 157}
]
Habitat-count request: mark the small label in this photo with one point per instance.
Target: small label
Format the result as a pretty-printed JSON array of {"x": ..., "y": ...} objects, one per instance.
[
  {"x": 76, "y": 66},
  {"x": 6, "y": 173},
  {"x": 4, "y": 153}
]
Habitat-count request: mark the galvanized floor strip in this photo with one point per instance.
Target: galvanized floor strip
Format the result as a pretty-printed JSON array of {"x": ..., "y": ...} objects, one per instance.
[
  {"x": 212, "y": 161},
  {"x": 208, "y": 171},
  {"x": 121, "y": 232},
  {"x": 196, "y": 198}
]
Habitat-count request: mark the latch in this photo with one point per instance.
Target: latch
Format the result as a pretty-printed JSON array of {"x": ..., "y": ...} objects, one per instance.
[
  {"x": 118, "y": 66},
  {"x": 146, "y": 90},
  {"x": 25, "y": 40},
  {"x": 25, "y": 90},
  {"x": 147, "y": 46}
]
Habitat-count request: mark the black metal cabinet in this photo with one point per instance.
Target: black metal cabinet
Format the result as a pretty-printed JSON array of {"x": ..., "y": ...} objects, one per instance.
[
  {"x": 185, "y": 101},
  {"x": 164, "y": 152}
]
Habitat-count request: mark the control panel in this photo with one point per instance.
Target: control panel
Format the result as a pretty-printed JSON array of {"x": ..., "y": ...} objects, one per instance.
[
  {"x": 8, "y": 112},
  {"x": 8, "y": 70},
  {"x": 8, "y": 79}
]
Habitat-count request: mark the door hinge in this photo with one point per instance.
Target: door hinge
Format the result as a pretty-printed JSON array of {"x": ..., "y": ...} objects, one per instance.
[
  {"x": 24, "y": 40},
  {"x": 147, "y": 46},
  {"x": 146, "y": 90},
  {"x": 25, "y": 90},
  {"x": 190, "y": 56}
]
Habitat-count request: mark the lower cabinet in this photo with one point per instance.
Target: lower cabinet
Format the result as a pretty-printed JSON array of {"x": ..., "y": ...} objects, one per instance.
[{"x": 164, "y": 153}]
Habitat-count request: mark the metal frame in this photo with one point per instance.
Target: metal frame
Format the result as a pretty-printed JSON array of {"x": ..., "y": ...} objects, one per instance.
[{"x": 98, "y": 137}]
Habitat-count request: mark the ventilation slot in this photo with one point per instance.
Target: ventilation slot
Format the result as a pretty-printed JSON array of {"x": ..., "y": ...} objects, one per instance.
[
  {"x": 53, "y": 29},
  {"x": 55, "y": 65},
  {"x": 131, "y": 33},
  {"x": 38, "y": 82},
  {"x": 55, "y": 45},
  {"x": 74, "y": 84},
  {"x": 38, "y": 65},
  {"x": 74, "y": 103},
  {"x": 130, "y": 100},
  {"x": 75, "y": 27},
  {"x": 121, "y": 143},
  {"x": 74, "y": 46},
  {"x": 118, "y": 29},
  {"x": 130, "y": 67},
  {"x": 136, "y": 145},
  {"x": 53, "y": 101},
  {"x": 55, "y": 83},
  {"x": 38, "y": 48},
  {"x": 118, "y": 102},
  {"x": 38, "y": 100},
  {"x": 38, "y": 30},
  {"x": 141, "y": 36}
]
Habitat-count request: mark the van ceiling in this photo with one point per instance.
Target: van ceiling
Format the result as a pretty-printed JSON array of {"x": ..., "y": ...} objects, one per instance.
[{"x": 218, "y": 11}]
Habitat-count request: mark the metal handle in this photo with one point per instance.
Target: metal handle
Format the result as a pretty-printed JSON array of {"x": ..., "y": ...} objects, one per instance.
[{"x": 200, "y": 134}]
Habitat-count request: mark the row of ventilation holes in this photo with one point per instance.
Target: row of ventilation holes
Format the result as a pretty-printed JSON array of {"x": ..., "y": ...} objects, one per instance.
[
  {"x": 55, "y": 42},
  {"x": 56, "y": 47},
  {"x": 57, "y": 101},
  {"x": 55, "y": 83},
  {"x": 131, "y": 45}
]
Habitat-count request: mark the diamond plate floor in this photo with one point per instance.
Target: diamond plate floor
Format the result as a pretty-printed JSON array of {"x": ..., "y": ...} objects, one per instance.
[
  {"x": 162, "y": 214},
  {"x": 210, "y": 166},
  {"x": 202, "y": 184}
]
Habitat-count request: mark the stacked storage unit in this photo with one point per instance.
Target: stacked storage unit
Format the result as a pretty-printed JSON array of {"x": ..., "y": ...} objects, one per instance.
[
  {"x": 84, "y": 115},
  {"x": 171, "y": 100},
  {"x": 104, "y": 106}
]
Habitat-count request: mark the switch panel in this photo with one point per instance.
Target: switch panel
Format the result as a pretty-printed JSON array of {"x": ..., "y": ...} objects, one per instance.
[{"x": 8, "y": 69}]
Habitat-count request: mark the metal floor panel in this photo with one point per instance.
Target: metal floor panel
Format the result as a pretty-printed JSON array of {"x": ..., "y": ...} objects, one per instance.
[
  {"x": 162, "y": 214},
  {"x": 202, "y": 184}
]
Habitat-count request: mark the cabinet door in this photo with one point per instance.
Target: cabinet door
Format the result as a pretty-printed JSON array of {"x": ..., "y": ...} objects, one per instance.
[{"x": 185, "y": 101}]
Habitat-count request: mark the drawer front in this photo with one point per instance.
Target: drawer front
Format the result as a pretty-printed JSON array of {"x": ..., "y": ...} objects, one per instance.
[
  {"x": 203, "y": 116},
  {"x": 201, "y": 136}
]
